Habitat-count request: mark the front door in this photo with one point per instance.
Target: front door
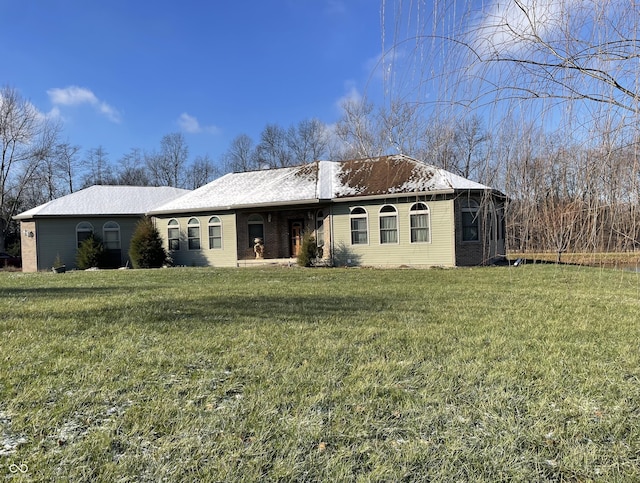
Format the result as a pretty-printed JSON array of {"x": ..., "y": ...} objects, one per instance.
[{"x": 295, "y": 229}]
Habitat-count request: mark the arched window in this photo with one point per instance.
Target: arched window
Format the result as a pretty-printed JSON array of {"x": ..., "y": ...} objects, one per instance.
[
  {"x": 173, "y": 235},
  {"x": 359, "y": 226},
  {"x": 84, "y": 230},
  {"x": 470, "y": 220},
  {"x": 255, "y": 225},
  {"x": 419, "y": 221},
  {"x": 320, "y": 228},
  {"x": 215, "y": 232},
  {"x": 111, "y": 235},
  {"x": 388, "y": 224},
  {"x": 193, "y": 234}
]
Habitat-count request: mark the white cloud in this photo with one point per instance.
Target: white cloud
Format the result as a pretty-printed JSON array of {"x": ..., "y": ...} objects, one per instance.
[
  {"x": 352, "y": 95},
  {"x": 76, "y": 96},
  {"x": 190, "y": 124},
  {"x": 506, "y": 26}
]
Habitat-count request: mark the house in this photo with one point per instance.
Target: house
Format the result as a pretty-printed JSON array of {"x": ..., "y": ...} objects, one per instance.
[
  {"x": 55, "y": 229},
  {"x": 383, "y": 212},
  {"x": 386, "y": 211}
]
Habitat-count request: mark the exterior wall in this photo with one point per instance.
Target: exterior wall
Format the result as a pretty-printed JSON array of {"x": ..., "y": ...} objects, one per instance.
[
  {"x": 205, "y": 256},
  {"x": 277, "y": 234},
  {"x": 491, "y": 245},
  {"x": 28, "y": 246},
  {"x": 56, "y": 237},
  {"x": 438, "y": 252}
]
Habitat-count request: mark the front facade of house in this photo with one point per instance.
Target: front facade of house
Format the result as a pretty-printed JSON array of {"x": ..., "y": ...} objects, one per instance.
[{"x": 384, "y": 212}]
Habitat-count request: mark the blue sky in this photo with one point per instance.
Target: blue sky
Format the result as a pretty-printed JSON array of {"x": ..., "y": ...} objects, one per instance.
[{"x": 121, "y": 74}]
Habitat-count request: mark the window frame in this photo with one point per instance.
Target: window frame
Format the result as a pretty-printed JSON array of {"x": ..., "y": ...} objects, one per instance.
[
  {"x": 215, "y": 224},
  {"x": 172, "y": 225},
  {"x": 193, "y": 241},
  {"x": 355, "y": 214},
  {"x": 469, "y": 206},
  {"x": 83, "y": 227},
  {"x": 417, "y": 211},
  {"x": 388, "y": 212},
  {"x": 111, "y": 227}
]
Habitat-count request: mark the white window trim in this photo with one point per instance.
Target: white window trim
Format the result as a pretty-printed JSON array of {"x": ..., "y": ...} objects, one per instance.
[
  {"x": 470, "y": 206},
  {"x": 216, "y": 223},
  {"x": 388, "y": 214},
  {"x": 199, "y": 237},
  {"x": 83, "y": 230},
  {"x": 169, "y": 227},
  {"x": 364, "y": 215},
  {"x": 420, "y": 212}
]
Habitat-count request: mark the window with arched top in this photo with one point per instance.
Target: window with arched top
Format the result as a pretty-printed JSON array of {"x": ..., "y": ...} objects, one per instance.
[
  {"x": 359, "y": 226},
  {"x": 173, "y": 235},
  {"x": 469, "y": 210},
  {"x": 388, "y": 217},
  {"x": 111, "y": 235},
  {"x": 419, "y": 223},
  {"x": 255, "y": 226},
  {"x": 320, "y": 228},
  {"x": 215, "y": 232},
  {"x": 193, "y": 234},
  {"x": 84, "y": 230}
]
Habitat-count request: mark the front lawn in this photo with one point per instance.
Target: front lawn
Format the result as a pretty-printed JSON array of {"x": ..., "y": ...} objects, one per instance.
[{"x": 486, "y": 374}]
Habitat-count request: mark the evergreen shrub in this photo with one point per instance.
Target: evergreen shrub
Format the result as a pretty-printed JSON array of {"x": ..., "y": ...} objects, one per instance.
[{"x": 146, "y": 250}]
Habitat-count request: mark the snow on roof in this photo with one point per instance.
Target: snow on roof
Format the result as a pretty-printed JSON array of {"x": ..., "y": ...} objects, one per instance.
[
  {"x": 321, "y": 180},
  {"x": 100, "y": 200}
]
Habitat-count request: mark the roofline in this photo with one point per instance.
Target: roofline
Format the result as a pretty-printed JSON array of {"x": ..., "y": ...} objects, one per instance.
[
  {"x": 393, "y": 195},
  {"x": 80, "y": 215}
]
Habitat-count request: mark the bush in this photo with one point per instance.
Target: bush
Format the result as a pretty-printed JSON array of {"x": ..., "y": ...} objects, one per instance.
[
  {"x": 91, "y": 253},
  {"x": 307, "y": 253},
  {"x": 146, "y": 250}
]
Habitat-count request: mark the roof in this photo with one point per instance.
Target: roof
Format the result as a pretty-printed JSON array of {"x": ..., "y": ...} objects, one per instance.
[
  {"x": 101, "y": 200},
  {"x": 320, "y": 180}
]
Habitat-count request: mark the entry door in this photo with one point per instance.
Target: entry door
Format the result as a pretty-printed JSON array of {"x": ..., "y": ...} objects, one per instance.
[{"x": 296, "y": 237}]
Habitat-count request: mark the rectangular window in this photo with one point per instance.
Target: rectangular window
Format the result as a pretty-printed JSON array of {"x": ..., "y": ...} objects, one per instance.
[
  {"x": 111, "y": 240},
  {"x": 215, "y": 236},
  {"x": 470, "y": 231},
  {"x": 359, "y": 231},
  {"x": 420, "y": 228},
  {"x": 193, "y": 235},
  {"x": 388, "y": 229}
]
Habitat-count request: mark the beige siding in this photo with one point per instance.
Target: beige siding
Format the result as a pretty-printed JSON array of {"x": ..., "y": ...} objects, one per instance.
[
  {"x": 438, "y": 252},
  {"x": 226, "y": 256},
  {"x": 56, "y": 237}
]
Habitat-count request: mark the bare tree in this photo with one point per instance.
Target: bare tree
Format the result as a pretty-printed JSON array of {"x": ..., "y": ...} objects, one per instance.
[
  {"x": 200, "y": 172},
  {"x": 166, "y": 168},
  {"x": 132, "y": 170},
  {"x": 241, "y": 155},
  {"x": 26, "y": 139},
  {"x": 307, "y": 141},
  {"x": 66, "y": 156},
  {"x": 97, "y": 168},
  {"x": 273, "y": 149}
]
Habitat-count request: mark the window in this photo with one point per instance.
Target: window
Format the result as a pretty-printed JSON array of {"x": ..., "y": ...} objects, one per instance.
[
  {"x": 470, "y": 220},
  {"x": 256, "y": 228},
  {"x": 84, "y": 230},
  {"x": 359, "y": 228},
  {"x": 320, "y": 228},
  {"x": 215, "y": 232},
  {"x": 173, "y": 234},
  {"x": 193, "y": 234},
  {"x": 111, "y": 235},
  {"x": 419, "y": 223},
  {"x": 388, "y": 224}
]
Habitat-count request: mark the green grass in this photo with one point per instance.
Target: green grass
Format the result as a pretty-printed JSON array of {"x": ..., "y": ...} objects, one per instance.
[{"x": 491, "y": 374}]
